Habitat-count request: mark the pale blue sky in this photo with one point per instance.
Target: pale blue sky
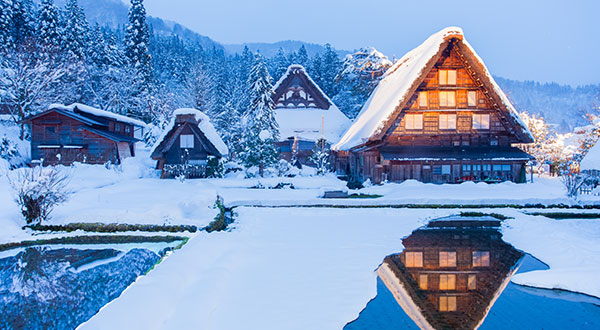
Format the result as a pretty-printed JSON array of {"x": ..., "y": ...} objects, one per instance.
[{"x": 518, "y": 39}]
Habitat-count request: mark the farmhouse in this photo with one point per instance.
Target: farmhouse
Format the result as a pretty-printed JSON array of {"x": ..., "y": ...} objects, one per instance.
[
  {"x": 80, "y": 133},
  {"x": 189, "y": 146},
  {"x": 304, "y": 114},
  {"x": 436, "y": 116}
]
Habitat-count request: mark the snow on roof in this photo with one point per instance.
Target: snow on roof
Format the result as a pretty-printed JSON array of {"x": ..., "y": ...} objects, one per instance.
[
  {"x": 395, "y": 87},
  {"x": 591, "y": 161},
  {"x": 306, "y": 123},
  {"x": 204, "y": 125},
  {"x": 98, "y": 112},
  {"x": 294, "y": 67}
]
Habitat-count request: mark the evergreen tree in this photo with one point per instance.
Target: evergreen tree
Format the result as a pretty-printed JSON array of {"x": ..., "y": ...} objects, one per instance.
[
  {"x": 76, "y": 31},
  {"x": 137, "y": 39},
  {"x": 315, "y": 69},
  {"x": 320, "y": 156},
  {"x": 302, "y": 56},
  {"x": 279, "y": 65},
  {"x": 330, "y": 68},
  {"x": 260, "y": 128},
  {"x": 6, "y": 9},
  {"x": 22, "y": 27},
  {"x": 48, "y": 25}
]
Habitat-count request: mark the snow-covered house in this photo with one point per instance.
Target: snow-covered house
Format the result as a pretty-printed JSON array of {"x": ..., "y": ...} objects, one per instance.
[
  {"x": 189, "y": 146},
  {"x": 591, "y": 162},
  {"x": 80, "y": 133},
  {"x": 436, "y": 116},
  {"x": 304, "y": 114}
]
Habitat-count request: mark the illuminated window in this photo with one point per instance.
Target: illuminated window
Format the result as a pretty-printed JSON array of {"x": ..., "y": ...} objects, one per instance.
[
  {"x": 481, "y": 121},
  {"x": 445, "y": 169},
  {"x": 447, "y": 121},
  {"x": 481, "y": 258},
  {"x": 447, "y": 77},
  {"x": 423, "y": 279},
  {"x": 447, "y": 282},
  {"x": 447, "y": 99},
  {"x": 447, "y": 304},
  {"x": 186, "y": 141},
  {"x": 413, "y": 121},
  {"x": 448, "y": 259},
  {"x": 423, "y": 99},
  {"x": 413, "y": 259},
  {"x": 472, "y": 282},
  {"x": 472, "y": 98}
]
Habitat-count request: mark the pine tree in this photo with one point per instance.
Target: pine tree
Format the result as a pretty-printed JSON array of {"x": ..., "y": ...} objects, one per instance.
[
  {"x": 260, "y": 128},
  {"x": 279, "y": 65},
  {"x": 315, "y": 69},
  {"x": 22, "y": 27},
  {"x": 330, "y": 67},
  {"x": 137, "y": 39},
  {"x": 320, "y": 156},
  {"x": 48, "y": 25},
  {"x": 302, "y": 56},
  {"x": 76, "y": 31},
  {"x": 6, "y": 9}
]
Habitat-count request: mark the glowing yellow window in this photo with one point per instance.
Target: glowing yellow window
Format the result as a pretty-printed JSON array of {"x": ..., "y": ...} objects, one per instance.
[
  {"x": 447, "y": 77},
  {"x": 447, "y": 99},
  {"x": 413, "y": 259},
  {"x": 423, "y": 99},
  {"x": 447, "y": 282},
  {"x": 423, "y": 279},
  {"x": 447, "y": 304},
  {"x": 447, "y": 259}
]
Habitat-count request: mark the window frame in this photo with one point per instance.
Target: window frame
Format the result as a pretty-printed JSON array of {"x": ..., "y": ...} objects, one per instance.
[
  {"x": 410, "y": 258},
  {"x": 477, "y": 123},
  {"x": 184, "y": 141},
  {"x": 447, "y": 304},
  {"x": 480, "y": 258},
  {"x": 423, "y": 281},
  {"x": 446, "y": 257},
  {"x": 423, "y": 96},
  {"x": 447, "y": 98},
  {"x": 414, "y": 125},
  {"x": 444, "y": 76},
  {"x": 447, "y": 282},
  {"x": 474, "y": 104},
  {"x": 445, "y": 118},
  {"x": 471, "y": 282}
]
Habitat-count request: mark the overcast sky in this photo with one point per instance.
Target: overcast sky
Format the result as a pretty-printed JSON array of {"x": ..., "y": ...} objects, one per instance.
[{"x": 518, "y": 39}]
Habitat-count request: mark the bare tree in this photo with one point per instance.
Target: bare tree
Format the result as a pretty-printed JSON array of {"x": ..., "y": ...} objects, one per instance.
[{"x": 38, "y": 190}]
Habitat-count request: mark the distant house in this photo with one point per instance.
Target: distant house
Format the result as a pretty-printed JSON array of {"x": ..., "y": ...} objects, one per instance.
[
  {"x": 436, "y": 116},
  {"x": 304, "y": 114},
  {"x": 591, "y": 162},
  {"x": 80, "y": 133},
  {"x": 189, "y": 146}
]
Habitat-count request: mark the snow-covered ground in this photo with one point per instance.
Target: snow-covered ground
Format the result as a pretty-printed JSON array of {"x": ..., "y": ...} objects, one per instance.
[{"x": 286, "y": 268}]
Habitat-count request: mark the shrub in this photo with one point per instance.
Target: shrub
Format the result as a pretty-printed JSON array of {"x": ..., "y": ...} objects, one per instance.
[
  {"x": 354, "y": 183},
  {"x": 38, "y": 190}
]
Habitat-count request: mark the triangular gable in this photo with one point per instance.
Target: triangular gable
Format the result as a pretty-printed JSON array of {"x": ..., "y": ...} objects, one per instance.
[
  {"x": 169, "y": 139},
  {"x": 402, "y": 80},
  {"x": 296, "y": 89}
]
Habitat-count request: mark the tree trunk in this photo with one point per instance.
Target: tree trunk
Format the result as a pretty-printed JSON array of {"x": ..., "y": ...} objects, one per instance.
[{"x": 261, "y": 169}]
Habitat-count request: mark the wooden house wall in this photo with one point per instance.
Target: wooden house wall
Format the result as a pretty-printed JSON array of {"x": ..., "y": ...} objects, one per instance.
[
  {"x": 112, "y": 125},
  {"x": 176, "y": 154},
  {"x": 54, "y": 129}
]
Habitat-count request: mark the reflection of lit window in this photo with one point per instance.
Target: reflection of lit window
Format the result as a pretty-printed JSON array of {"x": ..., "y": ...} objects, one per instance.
[
  {"x": 413, "y": 259},
  {"x": 447, "y": 77},
  {"x": 447, "y": 259},
  {"x": 447, "y": 282},
  {"x": 412, "y": 121},
  {"x": 423, "y": 99},
  {"x": 447, "y": 303},
  {"x": 481, "y": 258},
  {"x": 472, "y": 282},
  {"x": 447, "y": 99},
  {"x": 423, "y": 281}
]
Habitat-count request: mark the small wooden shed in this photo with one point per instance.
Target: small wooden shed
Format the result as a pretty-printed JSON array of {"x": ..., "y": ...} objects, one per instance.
[{"x": 189, "y": 146}]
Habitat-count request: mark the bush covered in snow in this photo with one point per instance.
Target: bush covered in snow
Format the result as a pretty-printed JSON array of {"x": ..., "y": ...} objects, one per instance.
[{"x": 38, "y": 190}]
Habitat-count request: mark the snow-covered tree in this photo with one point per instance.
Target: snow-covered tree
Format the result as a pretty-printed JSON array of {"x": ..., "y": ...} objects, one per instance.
[
  {"x": 22, "y": 27},
  {"x": 330, "y": 65},
  {"x": 137, "y": 39},
  {"x": 320, "y": 156},
  {"x": 27, "y": 83},
  {"x": 75, "y": 32},
  {"x": 260, "y": 127},
  {"x": 545, "y": 147},
  {"x": 279, "y": 64},
  {"x": 6, "y": 10},
  {"x": 302, "y": 56},
  {"x": 48, "y": 25}
]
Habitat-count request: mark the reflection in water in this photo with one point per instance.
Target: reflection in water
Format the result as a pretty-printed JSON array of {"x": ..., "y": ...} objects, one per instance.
[
  {"x": 450, "y": 273},
  {"x": 43, "y": 288}
]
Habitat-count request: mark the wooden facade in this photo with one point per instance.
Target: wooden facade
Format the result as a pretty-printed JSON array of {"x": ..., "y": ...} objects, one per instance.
[
  {"x": 452, "y": 274},
  {"x": 452, "y": 126},
  {"x": 185, "y": 149},
  {"x": 63, "y": 136}
]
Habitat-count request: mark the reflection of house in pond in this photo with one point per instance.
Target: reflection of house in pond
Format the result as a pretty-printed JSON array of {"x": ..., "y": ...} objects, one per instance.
[{"x": 450, "y": 273}]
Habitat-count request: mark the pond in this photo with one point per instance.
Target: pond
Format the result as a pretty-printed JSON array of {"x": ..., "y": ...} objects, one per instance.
[
  {"x": 60, "y": 287},
  {"x": 455, "y": 274}
]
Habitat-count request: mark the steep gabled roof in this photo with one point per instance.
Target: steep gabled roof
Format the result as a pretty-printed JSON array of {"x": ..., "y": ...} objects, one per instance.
[
  {"x": 591, "y": 161},
  {"x": 67, "y": 113},
  {"x": 202, "y": 128},
  {"x": 326, "y": 120},
  {"x": 401, "y": 81}
]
